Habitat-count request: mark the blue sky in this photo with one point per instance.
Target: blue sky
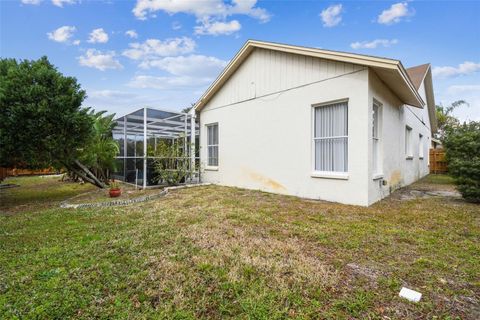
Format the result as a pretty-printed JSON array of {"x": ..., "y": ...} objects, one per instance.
[{"x": 165, "y": 53}]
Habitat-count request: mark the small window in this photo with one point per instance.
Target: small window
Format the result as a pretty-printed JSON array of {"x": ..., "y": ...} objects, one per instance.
[
  {"x": 331, "y": 138},
  {"x": 420, "y": 146},
  {"x": 376, "y": 121},
  {"x": 212, "y": 144},
  {"x": 408, "y": 142}
]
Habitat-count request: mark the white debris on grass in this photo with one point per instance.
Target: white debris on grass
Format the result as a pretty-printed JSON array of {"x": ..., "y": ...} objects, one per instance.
[{"x": 409, "y": 294}]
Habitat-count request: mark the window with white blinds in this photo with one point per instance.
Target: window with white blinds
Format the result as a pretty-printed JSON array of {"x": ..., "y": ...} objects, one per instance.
[
  {"x": 376, "y": 137},
  {"x": 331, "y": 137},
  {"x": 212, "y": 144}
]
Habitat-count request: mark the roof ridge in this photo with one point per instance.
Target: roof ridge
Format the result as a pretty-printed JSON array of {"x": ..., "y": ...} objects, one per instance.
[{"x": 319, "y": 49}]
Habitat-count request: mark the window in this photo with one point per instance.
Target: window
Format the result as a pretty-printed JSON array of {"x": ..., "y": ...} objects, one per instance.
[
  {"x": 420, "y": 146},
  {"x": 212, "y": 144},
  {"x": 376, "y": 137},
  {"x": 331, "y": 137},
  {"x": 408, "y": 142}
]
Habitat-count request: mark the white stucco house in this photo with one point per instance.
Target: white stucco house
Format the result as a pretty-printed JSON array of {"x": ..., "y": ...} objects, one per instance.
[{"x": 316, "y": 124}]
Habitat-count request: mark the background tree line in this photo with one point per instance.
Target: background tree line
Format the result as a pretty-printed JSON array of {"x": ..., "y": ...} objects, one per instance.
[{"x": 461, "y": 141}]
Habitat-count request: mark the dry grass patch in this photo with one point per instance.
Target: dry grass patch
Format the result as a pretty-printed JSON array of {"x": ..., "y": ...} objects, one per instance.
[{"x": 283, "y": 263}]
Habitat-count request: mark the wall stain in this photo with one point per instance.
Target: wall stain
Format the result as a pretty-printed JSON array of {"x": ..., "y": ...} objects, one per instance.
[
  {"x": 265, "y": 181},
  {"x": 396, "y": 180}
]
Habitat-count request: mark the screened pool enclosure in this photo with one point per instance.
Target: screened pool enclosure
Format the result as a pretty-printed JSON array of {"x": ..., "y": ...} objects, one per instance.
[{"x": 157, "y": 146}]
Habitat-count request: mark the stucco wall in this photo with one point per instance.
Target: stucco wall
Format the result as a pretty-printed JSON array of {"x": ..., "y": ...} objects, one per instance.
[
  {"x": 265, "y": 143},
  {"x": 398, "y": 171}
]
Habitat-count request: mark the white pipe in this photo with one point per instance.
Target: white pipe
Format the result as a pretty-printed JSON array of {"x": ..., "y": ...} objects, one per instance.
[
  {"x": 192, "y": 141},
  {"x": 136, "y": 178},
  {"x": 125, "y": 147},
  {"x": 144, "y": 147}
]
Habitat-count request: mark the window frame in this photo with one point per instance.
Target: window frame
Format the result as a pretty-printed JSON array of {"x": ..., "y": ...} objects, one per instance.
[
  {"x": 421, "y": 151},
  {"x": 328, "y": 174},
  {"x": 378, "y": 170},
  {"x": 408, "y": 142},
  {"x": 208, "y": 166}
]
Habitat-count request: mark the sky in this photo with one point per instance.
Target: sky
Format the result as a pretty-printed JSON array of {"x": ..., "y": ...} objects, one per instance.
[{"x": 165, "y": 53}]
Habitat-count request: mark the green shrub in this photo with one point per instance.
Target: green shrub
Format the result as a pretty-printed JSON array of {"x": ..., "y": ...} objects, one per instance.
[
  {"x": 462, "y": 146},
  {"x": 172, "y": 162}
]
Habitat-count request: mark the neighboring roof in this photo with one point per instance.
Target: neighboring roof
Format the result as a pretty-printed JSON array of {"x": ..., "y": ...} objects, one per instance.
[
  {"x": 423, "y": 73},
  {"x": 391, "y": 71},
  {"x": 417, "y": 74}
]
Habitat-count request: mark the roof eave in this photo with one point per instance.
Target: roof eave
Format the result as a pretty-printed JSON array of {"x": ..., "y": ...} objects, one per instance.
[
  {"x": 428, "y": 81},
  {"x": 420, "y": 103}
]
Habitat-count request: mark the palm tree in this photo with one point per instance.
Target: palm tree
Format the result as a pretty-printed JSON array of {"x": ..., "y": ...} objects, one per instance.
[
  {"x": 99, "y": 155},
  {"x": 94, "y": 162}
]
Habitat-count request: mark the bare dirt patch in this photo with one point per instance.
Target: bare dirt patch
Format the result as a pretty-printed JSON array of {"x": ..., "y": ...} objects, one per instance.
[{"x": 428, "y": 187}]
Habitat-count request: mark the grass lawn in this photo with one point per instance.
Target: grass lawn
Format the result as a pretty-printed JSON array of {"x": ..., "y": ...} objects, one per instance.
[
  {"x": 218, "y": 252},
  {"x": 37, "y": 193}
]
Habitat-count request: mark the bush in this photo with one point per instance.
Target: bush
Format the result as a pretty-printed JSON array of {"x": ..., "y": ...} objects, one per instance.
[
  {"x": 171, "y": 162},
  {"x": 462, "y": 146}
]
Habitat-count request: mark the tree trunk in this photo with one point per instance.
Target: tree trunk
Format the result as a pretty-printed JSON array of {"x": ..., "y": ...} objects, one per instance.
[
  {"x": 98, "y": 183},
  {"x": 82, "y": 175},
  {"x": 80, "y": 170}
]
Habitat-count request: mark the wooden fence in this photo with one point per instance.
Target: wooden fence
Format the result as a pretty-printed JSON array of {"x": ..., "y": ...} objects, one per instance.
[
  {"x": 14, "y": 172},
  {"x": 438, "y": 164},
  {"x": 3, "y": 173}
]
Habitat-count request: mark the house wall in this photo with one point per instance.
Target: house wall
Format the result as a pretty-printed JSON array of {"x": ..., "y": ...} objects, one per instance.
[
  {"x": 398, "y": 171},
  {"x": 265, "y": 117}
]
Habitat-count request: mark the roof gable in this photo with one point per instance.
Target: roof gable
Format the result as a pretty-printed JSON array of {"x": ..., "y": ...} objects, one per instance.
[{"x": 390, "y": 71}]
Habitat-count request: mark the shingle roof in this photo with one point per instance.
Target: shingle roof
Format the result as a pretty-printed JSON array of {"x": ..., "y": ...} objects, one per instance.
[{"x": 417, "y": 74}]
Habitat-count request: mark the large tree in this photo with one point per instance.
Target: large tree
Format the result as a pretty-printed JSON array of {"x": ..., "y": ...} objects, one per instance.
[{"x": 42, "y": 122}]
